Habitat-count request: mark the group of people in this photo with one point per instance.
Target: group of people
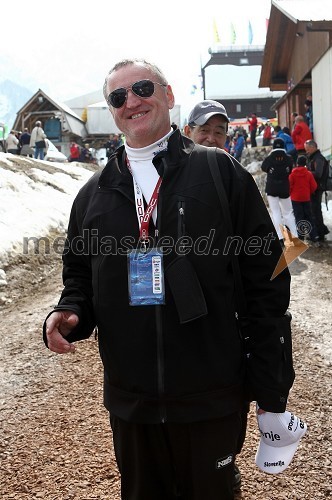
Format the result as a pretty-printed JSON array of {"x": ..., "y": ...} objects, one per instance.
[
  {"x": 18, "y": 143},
  {"x": 112, "y": 144},
  {"x": 294, "y": 190},
  {"x": 170, "y": 316},
  {"x": 27, "y": 144},
  {"x": 266, "y": 128},
  {"x": 84, "y": 154},
  {"x": 294, "y": 139},
  {"x": 296, "y": 180},
  {"x": 81, "y": 154}
]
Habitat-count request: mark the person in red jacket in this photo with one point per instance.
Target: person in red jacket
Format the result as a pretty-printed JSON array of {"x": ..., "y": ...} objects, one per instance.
[
  {"x": 300, "y": 134},
  {"x": 302, "y": 184},
  {"x": 267, "y": 134},
  {"x": 74, "y": 152},
  {"x": 253, "y": 124}
]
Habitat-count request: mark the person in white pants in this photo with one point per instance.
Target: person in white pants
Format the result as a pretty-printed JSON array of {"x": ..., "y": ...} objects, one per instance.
[
  {"x": 278, "y": 165},
  {"x": 282, "y": 214}
]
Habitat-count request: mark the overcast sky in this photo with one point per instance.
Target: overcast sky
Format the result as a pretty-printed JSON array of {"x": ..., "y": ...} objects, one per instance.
[{"x": 67, "y": 47}]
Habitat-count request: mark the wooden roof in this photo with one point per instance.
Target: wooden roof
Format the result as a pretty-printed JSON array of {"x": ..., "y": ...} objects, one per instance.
[
  {"x": 285, "y": 32},
  {"x": 42, "y": 107},
  {"x": 278, "y": 50}
]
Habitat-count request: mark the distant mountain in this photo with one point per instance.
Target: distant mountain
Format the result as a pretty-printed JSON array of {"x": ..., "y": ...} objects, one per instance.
[{"x": 12, "y": 98}]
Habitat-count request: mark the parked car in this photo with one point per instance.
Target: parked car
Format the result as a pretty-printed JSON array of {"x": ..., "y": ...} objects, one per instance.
[
  {"x": 259, "y": 139},
  {"x": 52, "y": 153}
]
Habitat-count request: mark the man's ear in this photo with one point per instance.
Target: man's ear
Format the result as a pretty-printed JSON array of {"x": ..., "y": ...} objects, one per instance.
[
  {"x": 187, "y": 131},
  {"x": 170, "y": 97}
]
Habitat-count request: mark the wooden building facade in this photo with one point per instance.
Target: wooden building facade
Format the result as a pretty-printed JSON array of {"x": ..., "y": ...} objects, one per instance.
[{"x": 298, "y": 59}]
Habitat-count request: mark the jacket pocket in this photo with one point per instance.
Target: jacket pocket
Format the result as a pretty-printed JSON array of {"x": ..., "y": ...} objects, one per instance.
[
  {"x": 186, "y": 289},
  {"x": 182, "y": 278}
]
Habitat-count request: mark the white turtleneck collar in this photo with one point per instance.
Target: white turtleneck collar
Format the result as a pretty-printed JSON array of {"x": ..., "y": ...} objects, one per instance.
[
  {"x": 142, "y": 168},
  {"x": 149, "y": 152}
]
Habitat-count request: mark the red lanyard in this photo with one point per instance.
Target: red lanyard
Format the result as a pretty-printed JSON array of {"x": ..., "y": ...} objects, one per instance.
[{"x": 144, "y": 217}]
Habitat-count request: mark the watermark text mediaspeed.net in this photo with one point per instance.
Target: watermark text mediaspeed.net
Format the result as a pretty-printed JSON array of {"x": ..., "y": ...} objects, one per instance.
[{"x": 90, "y": 244}]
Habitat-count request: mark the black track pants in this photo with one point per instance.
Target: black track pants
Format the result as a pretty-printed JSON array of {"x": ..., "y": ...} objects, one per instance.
[{"x": 190, "y": 461}]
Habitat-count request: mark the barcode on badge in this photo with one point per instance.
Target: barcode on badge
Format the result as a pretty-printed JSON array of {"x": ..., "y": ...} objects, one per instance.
[{"x": 156, "y": 274}]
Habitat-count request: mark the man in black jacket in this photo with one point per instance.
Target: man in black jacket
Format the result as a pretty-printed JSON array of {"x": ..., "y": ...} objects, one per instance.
[
  {"x": 318, "y": 166},
  {"x": 148, "y": 261}
]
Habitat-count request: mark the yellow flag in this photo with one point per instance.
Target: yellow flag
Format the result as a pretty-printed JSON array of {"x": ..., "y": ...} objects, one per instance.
[{"x": 215, "y": 32}]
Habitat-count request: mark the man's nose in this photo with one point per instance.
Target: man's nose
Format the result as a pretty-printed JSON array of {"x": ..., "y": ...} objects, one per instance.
[
  {"x": 210, "y": 137},
  {"x": 133, "y": 100}
]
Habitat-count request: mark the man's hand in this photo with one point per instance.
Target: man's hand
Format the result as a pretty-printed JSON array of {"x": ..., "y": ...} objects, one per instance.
[{"x": 58, "y": 326}]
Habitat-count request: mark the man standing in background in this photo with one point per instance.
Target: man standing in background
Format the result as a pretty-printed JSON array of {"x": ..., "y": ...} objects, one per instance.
[
  {"x": 253, "y": 123},
  {"x": 318, "y": 166},
  {"x": 37, "y": 140},
  {"x": 208, "y": 124},
  {"x": 300, "y": 134},
  {"x": 26, "y": 150},
  {"x": 12, "y": 143}
]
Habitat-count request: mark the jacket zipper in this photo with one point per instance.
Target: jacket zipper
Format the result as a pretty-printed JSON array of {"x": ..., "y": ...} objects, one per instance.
[
  {"x": 159, "y": 325},
  {"x": 181, "y": 221},
  {"x": 160, "y": 363}
]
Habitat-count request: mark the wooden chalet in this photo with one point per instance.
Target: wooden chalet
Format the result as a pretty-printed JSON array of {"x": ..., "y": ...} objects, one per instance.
[
  {"x": 298, "y": 60},
  {"x": 60, "y": 124}
]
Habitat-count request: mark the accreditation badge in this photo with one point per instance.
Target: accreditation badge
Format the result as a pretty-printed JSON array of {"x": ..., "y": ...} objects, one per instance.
[{"x": 146, "y": 277}]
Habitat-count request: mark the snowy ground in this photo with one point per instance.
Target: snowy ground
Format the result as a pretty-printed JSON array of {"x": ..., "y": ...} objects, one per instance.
[{"x": 36, "y": 197}]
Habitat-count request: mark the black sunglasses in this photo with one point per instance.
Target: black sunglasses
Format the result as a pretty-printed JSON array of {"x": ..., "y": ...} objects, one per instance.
[{"x": 142, "y": 88}]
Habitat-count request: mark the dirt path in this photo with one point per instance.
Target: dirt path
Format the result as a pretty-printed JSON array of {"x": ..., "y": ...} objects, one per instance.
[{"x": 56, "y": 443}]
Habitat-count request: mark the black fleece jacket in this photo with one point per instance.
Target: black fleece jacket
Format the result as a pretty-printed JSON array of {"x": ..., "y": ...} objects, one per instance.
[{"x": 157, "y": 369}]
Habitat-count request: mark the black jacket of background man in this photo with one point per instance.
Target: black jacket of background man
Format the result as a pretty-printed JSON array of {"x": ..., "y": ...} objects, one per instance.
[
  {"x": 156, "y": 369},
  {"x": 278, "y": 165},
  {"x": 318, "y": 166}
]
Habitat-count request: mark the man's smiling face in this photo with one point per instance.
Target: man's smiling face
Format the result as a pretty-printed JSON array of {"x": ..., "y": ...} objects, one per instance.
[{"x": 142, "y": 120}]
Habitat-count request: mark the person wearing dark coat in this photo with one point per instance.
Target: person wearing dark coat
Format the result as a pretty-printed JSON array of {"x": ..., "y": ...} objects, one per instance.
[
  {"x": 26, "y": 150},
  {"x": 318, "y": 166},
  {"x": 278, "y": 165},
  {"x": 111, "y": 145},
  {"x": 148, "y": 261},
  {"x": 85, "y": 154}
]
